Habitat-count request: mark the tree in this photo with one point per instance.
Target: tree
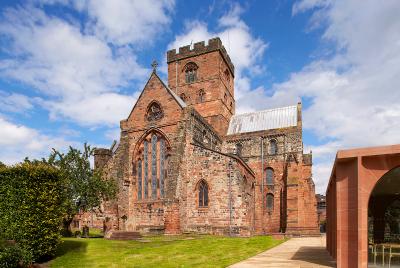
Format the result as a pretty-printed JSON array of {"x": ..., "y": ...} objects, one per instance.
[
  {"x": 2, "y": 165},
  {"x": 85, "y": 188}
]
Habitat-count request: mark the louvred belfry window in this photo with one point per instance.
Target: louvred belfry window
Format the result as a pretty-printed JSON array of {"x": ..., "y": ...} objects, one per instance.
[{"x": 191, "y": 72}]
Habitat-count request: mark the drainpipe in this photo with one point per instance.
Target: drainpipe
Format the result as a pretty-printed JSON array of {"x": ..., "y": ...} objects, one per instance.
[
  {"x": 176, "y": 76},
  {"x": 262, "y": 183}
]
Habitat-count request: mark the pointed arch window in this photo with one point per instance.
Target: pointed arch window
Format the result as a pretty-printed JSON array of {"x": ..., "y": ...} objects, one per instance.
[
  {"x": 203, "y": 194},
  {"x": 273, "y": 147},
  {"x": 269, "y": 176},
  {"x": 202, "y": 96},
  {"x": 270, "y": 202},
  {"x": 191, "y": 72}
]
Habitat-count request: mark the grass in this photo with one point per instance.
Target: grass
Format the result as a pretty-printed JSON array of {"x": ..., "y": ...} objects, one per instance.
[{"x": 160, "y": 251}]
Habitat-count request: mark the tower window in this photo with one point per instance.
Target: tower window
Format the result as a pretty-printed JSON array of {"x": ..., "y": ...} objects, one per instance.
[
  {"x": 225, "y": 97},
  {"x": 203, "y": 194},
  {"x": 202, "y": 95},
  {"x": 191, "y": 72}
]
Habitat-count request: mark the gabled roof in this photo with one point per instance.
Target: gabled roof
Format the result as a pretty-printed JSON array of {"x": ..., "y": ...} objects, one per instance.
[
  {"x": 181, "y": 103},
  {"x": 263, "y": 120}
]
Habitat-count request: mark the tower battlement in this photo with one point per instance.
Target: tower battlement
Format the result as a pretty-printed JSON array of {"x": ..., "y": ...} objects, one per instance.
[{"x": 214, "y": 44}]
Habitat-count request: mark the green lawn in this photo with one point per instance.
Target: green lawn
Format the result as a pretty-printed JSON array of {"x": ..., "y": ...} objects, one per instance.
[{"x": 160, "y": 251}]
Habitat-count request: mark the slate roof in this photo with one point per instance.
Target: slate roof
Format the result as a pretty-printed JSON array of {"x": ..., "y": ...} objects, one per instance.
[{"x": 263, "y": 120}]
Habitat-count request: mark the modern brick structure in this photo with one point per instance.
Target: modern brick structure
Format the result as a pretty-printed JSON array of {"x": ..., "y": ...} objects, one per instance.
[
  {"x": 363, "y": 184},
  {"x": 186, "y": 163}
]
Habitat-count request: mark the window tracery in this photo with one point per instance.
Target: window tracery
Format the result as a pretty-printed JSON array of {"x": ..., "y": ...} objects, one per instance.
[
  {"x": 146, "y": 169},
  {"x": 154, "y": 112}
]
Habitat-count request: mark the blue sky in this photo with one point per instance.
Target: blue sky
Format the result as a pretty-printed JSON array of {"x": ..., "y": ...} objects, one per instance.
[{"x": 71, "y": 70}]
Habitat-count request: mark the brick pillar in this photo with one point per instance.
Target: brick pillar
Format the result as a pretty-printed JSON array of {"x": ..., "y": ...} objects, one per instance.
[{"x": 172, "y": 221}]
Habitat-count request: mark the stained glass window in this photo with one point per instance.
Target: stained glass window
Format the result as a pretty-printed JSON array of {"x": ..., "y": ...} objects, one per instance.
[
  {"x": 154, "y": 166},
  {"x": 269, "y": 176},
  {"x": 146, "y": 170},
  {"x": 162, "y": 159},
  {"x": 203, "y": 194},
  {"x": 270, "y": 202},
  {"x": 139, "y": 177}
]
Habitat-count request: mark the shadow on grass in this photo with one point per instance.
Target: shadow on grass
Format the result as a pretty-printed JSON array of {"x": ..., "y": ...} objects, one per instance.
[{"x": 69, "y": 245}]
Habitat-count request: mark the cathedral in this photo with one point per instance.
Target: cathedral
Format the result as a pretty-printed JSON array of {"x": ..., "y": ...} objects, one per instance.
[{"x": 186, "y": 163}]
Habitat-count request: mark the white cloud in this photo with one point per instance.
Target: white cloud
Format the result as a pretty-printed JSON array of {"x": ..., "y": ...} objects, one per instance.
[
  {"x": 18, "y": 141},
  {"x": 355, "y": 94},
  {"x": 129, "y": 21},
  {"x": 13, "y": 102},
  {"x": 244, "y": 49},
  {"x": 80, "y": 72}
]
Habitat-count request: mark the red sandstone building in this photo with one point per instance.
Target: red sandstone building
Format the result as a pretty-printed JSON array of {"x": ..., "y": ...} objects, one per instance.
[
  {"x": 363, "y": 206},
  {"x": 186, "y": 162}
]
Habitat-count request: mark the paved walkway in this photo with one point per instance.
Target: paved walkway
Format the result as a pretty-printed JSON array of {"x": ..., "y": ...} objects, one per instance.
[{"x": 297, "y": 252}]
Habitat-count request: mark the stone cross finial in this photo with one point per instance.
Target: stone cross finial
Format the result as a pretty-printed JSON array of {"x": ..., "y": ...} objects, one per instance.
[{"x": 154, "y": 64}]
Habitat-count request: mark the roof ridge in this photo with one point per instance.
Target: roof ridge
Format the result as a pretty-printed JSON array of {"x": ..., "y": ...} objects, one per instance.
[{"x": 272, "y": 109}]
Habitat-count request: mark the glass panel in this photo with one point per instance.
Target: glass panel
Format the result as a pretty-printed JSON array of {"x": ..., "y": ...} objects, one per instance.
[
  {"x": 270, "y": 176},
  {"x": 273, "y": 147},
  {"x": 162, "y": 159},
  {"x": 205, "y": 195},
  {"x": 146, "y": 170},
  {"x": 139, "y": 176},
  {"x": 270, "y": 201},
  {"x": 154, "y": 166},
  {"x": 201, "y": 195}
]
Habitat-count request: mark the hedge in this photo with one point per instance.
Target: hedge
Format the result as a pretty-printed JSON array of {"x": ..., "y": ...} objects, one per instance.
[{"x": 31, "y": 198}]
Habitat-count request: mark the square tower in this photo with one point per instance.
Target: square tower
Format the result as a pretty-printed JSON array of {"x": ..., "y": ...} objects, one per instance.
[{"x": 204, "y": 78}]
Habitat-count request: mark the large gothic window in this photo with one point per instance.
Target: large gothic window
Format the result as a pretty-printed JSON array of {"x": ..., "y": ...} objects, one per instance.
[
  {"x": 273, "y": 147},
  {"x": 151, "y": 156},
  {"x": 191, "y": 72},
  {"x": 154, "y": 166},
  {"x": 139, "y": 175},
  {"x": 203, "y": 194},
  {"x": 269, "y": 176},
  {"x": 270, "y": 202}
]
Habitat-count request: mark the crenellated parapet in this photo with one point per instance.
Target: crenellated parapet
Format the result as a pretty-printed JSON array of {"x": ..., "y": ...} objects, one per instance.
[{"x": 214, "y": 44}]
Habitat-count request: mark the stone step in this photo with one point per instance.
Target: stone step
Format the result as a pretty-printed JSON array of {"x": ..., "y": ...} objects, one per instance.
[{"x": 122, "y": 235}]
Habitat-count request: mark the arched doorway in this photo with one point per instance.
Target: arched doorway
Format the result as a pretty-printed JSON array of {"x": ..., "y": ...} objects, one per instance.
[{"x": 384, "y": 220}]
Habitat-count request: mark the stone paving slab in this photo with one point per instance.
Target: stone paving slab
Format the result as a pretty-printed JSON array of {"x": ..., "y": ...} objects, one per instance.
[{"x": 301, "y": 252}]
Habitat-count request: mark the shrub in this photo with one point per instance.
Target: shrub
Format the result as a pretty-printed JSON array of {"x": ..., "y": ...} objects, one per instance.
[
  {"x": 11, "y": 255},
  {"x": 31, "y": 205}
]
